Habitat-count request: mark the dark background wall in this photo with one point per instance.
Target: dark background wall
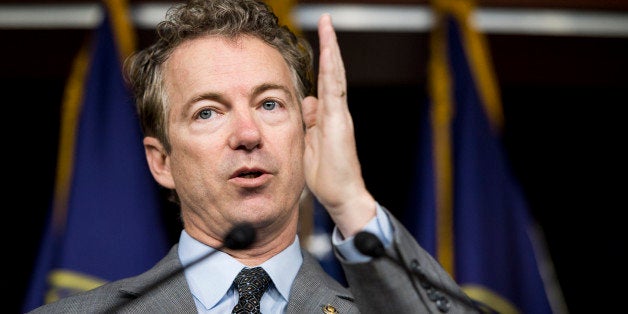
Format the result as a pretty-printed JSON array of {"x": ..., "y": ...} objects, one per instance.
[{"x": 564, "y": 99}]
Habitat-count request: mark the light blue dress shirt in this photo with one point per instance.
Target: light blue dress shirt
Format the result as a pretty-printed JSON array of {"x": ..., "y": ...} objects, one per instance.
[{"x": 211, "y": 280}]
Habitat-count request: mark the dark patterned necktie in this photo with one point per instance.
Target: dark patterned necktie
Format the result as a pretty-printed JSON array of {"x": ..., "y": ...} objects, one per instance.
[{"x": 251, "y": 284}]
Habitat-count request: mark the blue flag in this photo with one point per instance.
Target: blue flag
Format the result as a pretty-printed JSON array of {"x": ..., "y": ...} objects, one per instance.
[
  {"x": 323, "y": 229},
  {"x": 105, "y": 222},
  {"x": 315, "y": 233},
  {"x": 468, "y": 209}
]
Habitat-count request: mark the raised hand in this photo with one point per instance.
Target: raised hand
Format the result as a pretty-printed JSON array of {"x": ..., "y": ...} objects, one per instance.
[{"x": 332, "y": 168}]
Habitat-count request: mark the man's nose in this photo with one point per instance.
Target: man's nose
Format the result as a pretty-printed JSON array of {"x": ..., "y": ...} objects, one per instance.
[{"x": 246, "y": 132}]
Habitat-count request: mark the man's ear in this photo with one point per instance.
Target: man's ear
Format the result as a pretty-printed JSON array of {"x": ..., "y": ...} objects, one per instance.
[{"x": 158, "y": 162}]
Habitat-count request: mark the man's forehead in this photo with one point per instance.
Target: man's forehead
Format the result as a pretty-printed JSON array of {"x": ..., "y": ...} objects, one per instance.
[{"x": 216, "y": 67}]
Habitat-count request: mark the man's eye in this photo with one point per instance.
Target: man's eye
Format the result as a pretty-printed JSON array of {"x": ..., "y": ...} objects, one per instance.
[
  {"x": 269, "y": 104},
  {"x": 205, "y": 114}
]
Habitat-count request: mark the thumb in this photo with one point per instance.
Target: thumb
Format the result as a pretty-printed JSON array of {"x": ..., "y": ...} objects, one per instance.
[{"x": 309, "y": 106}]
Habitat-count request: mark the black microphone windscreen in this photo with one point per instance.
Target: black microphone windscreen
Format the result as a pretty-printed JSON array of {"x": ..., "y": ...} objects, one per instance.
[
  {"x": 240, "y": 237},
  {"x": 369, "y": 244}
]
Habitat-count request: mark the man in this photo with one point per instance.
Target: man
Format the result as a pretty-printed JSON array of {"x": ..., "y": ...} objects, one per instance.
[{"x": 232, "y": 128}]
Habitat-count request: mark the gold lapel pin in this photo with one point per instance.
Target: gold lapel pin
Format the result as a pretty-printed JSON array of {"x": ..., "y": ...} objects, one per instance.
[{"x": 328, "y": 309}]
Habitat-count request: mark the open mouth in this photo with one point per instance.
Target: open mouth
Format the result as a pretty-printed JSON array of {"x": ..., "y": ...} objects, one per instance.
[
  {"x": 250, "y": 177},
  {"x": 250, "y": 174}
]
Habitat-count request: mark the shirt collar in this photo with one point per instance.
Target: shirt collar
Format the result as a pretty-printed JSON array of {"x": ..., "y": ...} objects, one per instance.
[
  {"x": 283, "y": 267},
  {"x": 209, "y": 280}
]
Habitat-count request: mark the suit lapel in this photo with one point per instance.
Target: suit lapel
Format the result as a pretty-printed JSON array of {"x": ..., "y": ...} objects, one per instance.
[
  {"x": 314, "y": 289},
  {"x": 172, "y": 296}
]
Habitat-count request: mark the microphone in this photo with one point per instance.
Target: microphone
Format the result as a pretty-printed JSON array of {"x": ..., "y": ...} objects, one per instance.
[
  {"x": 370, "y": 245},
  {"x": 239, "y": 237}
]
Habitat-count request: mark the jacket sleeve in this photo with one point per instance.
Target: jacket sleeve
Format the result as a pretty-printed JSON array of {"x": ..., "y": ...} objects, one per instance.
[{"x": 393, "y": 284}]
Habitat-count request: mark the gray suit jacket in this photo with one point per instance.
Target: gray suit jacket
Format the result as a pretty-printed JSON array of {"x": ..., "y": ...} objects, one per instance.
[{"x": 380, "y": 286}]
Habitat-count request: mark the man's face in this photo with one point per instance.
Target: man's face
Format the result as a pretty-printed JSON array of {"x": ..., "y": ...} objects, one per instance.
[{"x": 236, "y": 132}]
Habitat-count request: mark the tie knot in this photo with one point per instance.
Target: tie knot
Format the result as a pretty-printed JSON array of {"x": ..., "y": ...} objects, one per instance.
[{"x": 251, "y": 284}]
